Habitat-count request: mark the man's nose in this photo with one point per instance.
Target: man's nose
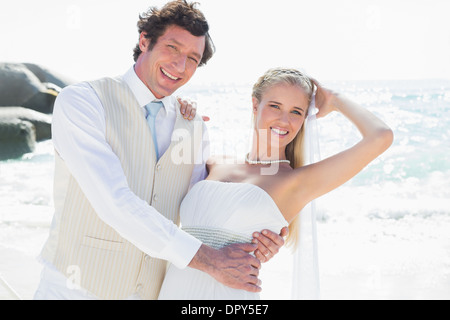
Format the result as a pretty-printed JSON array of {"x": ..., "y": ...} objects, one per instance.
[{"x": 180, "y": 63}]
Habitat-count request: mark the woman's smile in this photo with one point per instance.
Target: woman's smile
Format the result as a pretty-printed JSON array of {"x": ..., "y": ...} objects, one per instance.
[{"x": 279, "y": 132}]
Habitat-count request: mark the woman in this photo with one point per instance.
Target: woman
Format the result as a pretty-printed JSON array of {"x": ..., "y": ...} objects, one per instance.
[{"x": 272, "y": 187}]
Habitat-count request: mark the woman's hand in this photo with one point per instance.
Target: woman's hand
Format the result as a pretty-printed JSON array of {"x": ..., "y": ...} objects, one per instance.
[
  {"x": 326, "y": 100},
  {"x": 189, "y": 109},
  {"x": 269, "y": 243}
]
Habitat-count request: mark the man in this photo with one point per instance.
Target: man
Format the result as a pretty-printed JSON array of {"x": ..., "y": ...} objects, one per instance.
[{"x": 118, "y": 187}]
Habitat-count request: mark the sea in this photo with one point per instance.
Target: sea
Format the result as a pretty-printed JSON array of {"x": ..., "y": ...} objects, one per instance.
[{"x": 385, "y": 234}]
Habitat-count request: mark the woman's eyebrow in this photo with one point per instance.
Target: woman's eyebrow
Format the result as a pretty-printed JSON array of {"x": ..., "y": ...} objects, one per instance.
[{"x": 279, "y": 103}]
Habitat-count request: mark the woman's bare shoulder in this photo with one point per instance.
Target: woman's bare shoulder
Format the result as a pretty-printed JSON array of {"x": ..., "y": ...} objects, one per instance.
[{"x": 217, "y": 160}]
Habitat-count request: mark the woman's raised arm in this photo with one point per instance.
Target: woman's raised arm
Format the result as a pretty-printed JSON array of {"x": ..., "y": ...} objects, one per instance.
[{"x": 319, "y": 178}]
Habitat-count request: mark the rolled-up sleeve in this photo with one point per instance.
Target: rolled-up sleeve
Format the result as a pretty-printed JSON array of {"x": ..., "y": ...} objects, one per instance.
[{"x": 78, "y": 134}]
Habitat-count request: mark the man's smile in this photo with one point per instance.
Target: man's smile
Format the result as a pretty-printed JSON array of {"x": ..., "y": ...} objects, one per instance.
[{"x": 168, "y": 75}]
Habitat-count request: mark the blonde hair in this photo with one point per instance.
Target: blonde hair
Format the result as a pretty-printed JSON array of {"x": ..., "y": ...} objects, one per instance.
[{"x": 295, "y": 149}]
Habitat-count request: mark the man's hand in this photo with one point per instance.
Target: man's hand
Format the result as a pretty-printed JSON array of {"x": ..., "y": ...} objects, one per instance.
[
  {"x": 189, "y": 109},
  {"x": 269, "y": 243},
  {"x": 232, "y": 266}
]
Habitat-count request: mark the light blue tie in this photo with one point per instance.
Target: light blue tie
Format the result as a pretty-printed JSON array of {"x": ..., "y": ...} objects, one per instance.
[{"x": 153, "y": 109}]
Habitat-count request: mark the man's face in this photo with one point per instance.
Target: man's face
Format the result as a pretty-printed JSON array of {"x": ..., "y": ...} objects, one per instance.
[{"x": 172, "y": 61}]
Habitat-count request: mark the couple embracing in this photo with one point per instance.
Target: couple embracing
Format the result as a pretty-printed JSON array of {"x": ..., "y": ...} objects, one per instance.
[{"x": 120, "y": 194}]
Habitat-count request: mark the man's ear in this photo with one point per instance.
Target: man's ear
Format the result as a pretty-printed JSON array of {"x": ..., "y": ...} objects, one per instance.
[{"x": 143, "y": 42}]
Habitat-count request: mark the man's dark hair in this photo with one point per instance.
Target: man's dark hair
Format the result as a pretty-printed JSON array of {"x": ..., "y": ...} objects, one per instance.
[{"x": 155, "y": 22}]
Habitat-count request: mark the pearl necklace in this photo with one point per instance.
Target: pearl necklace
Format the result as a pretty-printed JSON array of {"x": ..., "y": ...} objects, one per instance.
[{"x": 264, "y": 161}]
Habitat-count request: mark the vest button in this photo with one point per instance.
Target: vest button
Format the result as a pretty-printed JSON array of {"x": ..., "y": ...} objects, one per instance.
[
  {"x": 158, "y": 167},
  {"x": 139, "y": 287},
  {"x": 155, "y": 197},
  {"x": 147, "y": 258}
]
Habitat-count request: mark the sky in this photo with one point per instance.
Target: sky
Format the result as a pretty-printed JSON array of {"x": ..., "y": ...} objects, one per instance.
[{"x": 329, "y": 39}]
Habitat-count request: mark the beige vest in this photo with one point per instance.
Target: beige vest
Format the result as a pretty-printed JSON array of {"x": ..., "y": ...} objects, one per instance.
[{"x": 81, "y": 245}]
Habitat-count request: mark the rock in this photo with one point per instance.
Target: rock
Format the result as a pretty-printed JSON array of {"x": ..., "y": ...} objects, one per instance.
[
  {"x": 49, "y": 77},
  {"x": 17, "y": 137},
  {"x": 42, "y": 102},
  {"x": 17, "y": 84},
  {"x": 41, "y": 122},
  {"x": 33, "y": 89},
  {"x": 30, "y": 86}
]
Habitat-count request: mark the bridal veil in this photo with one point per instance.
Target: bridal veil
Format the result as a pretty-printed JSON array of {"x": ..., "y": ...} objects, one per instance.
[{"x": 306, "y": 284}]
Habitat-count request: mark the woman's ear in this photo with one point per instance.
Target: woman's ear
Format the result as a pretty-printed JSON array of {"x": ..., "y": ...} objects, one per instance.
[{"x": 255, "y": 104}]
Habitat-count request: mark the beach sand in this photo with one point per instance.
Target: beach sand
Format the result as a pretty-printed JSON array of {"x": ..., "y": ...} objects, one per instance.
[
  {"x": 22, "y": 273},
  {"x": 354, "y": 265},
  {"x": 358, "y": 263}
]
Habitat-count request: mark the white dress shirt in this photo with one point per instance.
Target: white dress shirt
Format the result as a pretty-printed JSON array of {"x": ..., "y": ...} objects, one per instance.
[{"x": 78, "y": 134}]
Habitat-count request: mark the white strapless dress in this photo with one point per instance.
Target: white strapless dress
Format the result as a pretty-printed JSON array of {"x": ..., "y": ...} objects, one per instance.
[{"x": 219, "y": 214}]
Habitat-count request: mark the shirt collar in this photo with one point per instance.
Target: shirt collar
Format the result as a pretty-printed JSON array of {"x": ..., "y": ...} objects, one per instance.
[{"x": 141, "y": 92}]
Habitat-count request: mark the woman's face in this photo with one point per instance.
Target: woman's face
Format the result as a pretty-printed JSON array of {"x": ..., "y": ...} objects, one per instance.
[{"x": 279, "y": 115}]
